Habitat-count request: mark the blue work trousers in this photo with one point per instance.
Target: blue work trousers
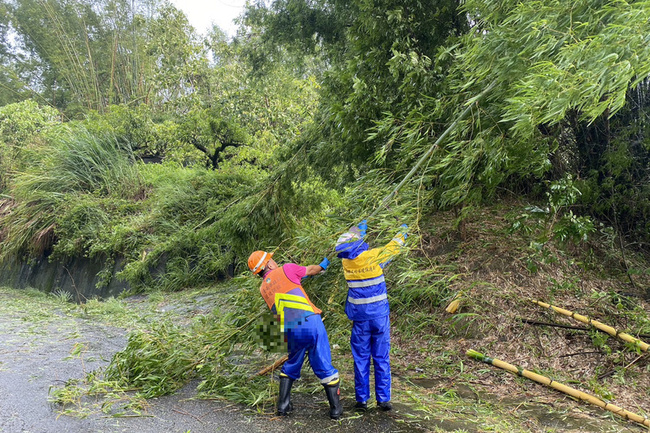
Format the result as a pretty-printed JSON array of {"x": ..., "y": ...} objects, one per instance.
[
  {"x": 371, "y": 338},
  {"x": 308, "y": 336}
]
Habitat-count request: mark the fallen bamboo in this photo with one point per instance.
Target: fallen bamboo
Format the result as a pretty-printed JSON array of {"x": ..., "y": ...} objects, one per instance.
[
  {"x": 389, "y": 197},
  {"x": 596, "y": 324},
  {"x": 558, "y": 325},
  {"x": 560, "y": 387},
  {"x": 434, "y": 146},
  {"x": 273, "y": 366}
]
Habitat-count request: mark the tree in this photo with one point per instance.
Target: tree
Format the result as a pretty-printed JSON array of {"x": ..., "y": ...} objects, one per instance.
[
  {"x": 211, "y": 134},
  {"x": 176, "y": 60},
  {"x": 382, "y": 64},
  {"x": 11, "y": 86},
  {"x": 85, "y": 55},
  {"x": 62, "y": 38},
  {"x": 21, "y": 124}
]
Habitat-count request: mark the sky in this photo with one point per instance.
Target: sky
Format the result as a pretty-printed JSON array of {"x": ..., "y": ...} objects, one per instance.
[{"x": 202, "y": 13}]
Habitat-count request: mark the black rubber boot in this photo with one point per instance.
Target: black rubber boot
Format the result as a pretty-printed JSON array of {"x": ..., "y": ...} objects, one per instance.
[
  {"x": 284, "y": 398},
  {"x": 333, "y": 393},
  {"x": 385, "y": 405}
]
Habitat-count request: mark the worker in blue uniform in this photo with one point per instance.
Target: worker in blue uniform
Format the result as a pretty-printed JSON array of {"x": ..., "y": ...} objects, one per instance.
[
  {"x": 302, "y": 325},
  {"x": 367, "y": 307}
]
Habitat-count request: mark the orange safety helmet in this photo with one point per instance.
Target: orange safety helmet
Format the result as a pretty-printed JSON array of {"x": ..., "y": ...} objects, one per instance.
[{"x": 258, "y": 260}]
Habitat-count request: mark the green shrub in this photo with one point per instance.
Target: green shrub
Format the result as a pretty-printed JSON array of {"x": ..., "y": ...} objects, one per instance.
[
  {"x": 76, "y": 164},
  {"x": 21, "y": 125}
]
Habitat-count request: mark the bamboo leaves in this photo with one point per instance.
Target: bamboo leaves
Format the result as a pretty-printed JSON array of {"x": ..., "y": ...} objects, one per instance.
[
  {"x": 563, "y": 55},
  {"x": 559, "y": 65},
  {"x": 84, "y": 55},
  {"x": 162, "y": 360}
]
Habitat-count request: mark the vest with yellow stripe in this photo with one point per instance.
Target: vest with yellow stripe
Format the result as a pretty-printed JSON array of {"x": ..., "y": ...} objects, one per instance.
[
  {"x": 286, "y": 298},
  {"x": 367, "y": 297}
]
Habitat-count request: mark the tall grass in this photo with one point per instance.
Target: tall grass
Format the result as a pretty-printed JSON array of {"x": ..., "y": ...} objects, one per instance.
[
  {"x": 76, "y": 163},
  {"x": 98, "y": 164}
]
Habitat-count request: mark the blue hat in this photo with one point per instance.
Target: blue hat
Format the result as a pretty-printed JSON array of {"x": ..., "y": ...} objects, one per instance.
[{"x": 350, "y": 244}]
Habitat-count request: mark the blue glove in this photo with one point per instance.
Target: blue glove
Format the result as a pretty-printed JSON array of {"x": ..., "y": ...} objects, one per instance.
[
  {"x": 404, "y": 228},
  {"x": 363, "y": 228},
  {"x": 324, "y": 264}
]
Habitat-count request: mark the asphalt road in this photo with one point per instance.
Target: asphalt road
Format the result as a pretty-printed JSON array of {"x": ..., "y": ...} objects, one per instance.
[{"x": 38, "y": 353}]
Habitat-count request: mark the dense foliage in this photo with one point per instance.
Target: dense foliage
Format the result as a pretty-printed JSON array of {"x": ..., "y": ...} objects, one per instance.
[
  {"x": 126, "y": 137},
  {"x": 315, "y": 109}
]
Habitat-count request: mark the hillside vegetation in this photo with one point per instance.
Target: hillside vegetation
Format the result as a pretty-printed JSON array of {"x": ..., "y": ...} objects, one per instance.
[
  {"x": 214, "y": 334},
  {"x": 512, "y": 137}
]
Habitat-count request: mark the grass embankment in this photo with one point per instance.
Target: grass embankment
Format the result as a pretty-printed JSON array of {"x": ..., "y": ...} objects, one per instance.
[
  {"x": 493, "y": 273},
  {"x": 498, "y": 272}
]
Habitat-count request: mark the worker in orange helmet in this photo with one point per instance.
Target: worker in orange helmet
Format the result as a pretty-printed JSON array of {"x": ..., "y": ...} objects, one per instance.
[{"x": 302, "y": 326}]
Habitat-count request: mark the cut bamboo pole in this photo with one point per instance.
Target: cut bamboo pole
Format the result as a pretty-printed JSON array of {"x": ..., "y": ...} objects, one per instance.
[
  {"x": 560, "y": 387},
  {"x": 596, "y": 324},
  {"x": 273, "y": 366},
  {"x": 557, "y": 325}
]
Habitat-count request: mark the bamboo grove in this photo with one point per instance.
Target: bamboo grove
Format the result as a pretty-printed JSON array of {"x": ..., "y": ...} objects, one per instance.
[
  {"x": 565, "y": 119},
  {"x": 128, "y": 137}
]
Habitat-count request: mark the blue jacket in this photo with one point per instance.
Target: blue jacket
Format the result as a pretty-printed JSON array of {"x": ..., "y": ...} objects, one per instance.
[{"x": 364, "y": 273}]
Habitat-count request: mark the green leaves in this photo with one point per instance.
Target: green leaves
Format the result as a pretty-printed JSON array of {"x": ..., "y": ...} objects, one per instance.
[
  {"x": 157, "y": 362},
  {"x": 81, "y": 55},
  {"x": 558, "y": 65},
  {"x": 22, "y": 125},
  {"x": 77, "y": 163},
  {"x": 561, "y": 56}
]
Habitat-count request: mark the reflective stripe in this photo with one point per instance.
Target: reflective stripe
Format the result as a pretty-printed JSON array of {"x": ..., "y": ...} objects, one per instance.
[
  {"x": 257, "y": 266},
  {"x": 347, "y": 237},
  {"x": 361, "y": 301},
  {"x": 399, "y": 241},
  {"x": 365, "y": 283},
  {"x": 285, "y": 300},
  {"x": 329, "y": 379}
]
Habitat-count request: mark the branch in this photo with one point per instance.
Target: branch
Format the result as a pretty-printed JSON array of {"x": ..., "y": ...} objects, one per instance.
[{"x": 273, "y": 366}]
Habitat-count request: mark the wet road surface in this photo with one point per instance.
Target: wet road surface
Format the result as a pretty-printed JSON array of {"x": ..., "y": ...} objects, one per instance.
[{"x": 42, "y": 349}]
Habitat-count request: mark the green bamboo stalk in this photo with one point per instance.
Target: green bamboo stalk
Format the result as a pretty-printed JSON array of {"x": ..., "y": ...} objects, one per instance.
[
  {"x": 79, "y": 79},
  {"x": 596, "y": 324},
  {"x": 559, "y": 387},
  {"x": 433, "y": 147}
]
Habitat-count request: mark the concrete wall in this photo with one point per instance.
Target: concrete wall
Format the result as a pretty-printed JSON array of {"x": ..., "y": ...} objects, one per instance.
[{"x": 76, "y": 276}]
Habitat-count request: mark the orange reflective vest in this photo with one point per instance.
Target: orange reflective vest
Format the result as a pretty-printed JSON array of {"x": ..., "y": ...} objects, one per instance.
[{"x": 280, "y": 292}]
